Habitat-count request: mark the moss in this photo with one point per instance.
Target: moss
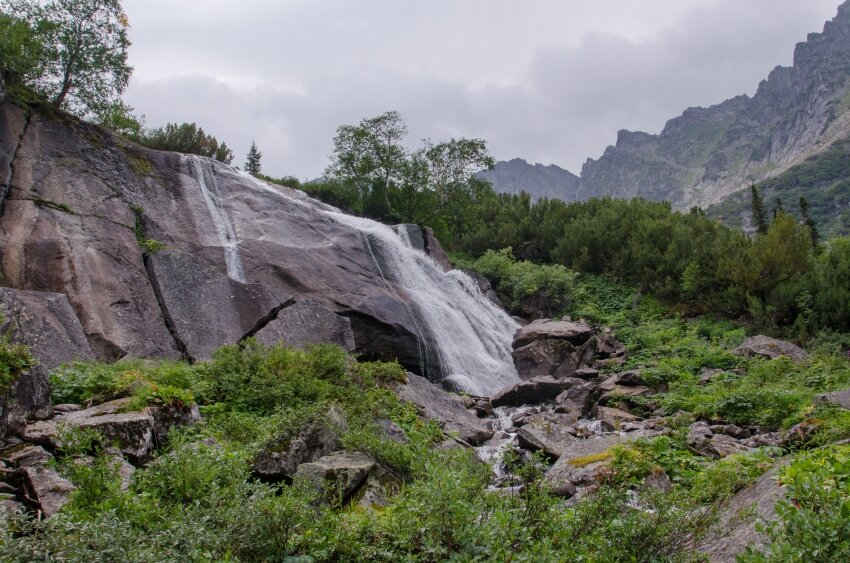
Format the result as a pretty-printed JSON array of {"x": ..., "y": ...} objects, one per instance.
[
  {"x": 58, "y": 206},
  {"x": 147, "y": 245},
  {"x": 140, "y": 165},
  {"x": 593, "y": 458}
]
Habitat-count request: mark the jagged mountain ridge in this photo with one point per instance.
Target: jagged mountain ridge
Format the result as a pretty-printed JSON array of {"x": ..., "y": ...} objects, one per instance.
[
  {"x": 706, "y": 154},
  {"x": 516, "y": 176}
]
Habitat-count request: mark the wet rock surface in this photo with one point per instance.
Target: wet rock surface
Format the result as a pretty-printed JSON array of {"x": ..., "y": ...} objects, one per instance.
[{"x": 308, "y": 322}]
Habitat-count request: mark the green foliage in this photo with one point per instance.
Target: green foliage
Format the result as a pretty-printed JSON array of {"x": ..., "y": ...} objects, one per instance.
[
  {"x": 253, "y": 165},
  {"x": 814, "y": 523},
  {"x": 14, "y": 360},
  {"x": 20, "y": 49},
  {"x": 529, "y": 289},
  {"x": 82, "y": 62},
  {"x": 185, "y": 138},
  {"x": 147, "y": 245}
]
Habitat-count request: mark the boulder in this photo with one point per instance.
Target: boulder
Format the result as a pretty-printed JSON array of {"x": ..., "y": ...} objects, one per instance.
[
  {"x": 705, "y": 442},
  {"x": 134, "y": 432},
  {"x": 391, "y": 431},
  {"x": 46, "y": 323},
  {"x": 281, "y": 458},
  {"x": 436, "y": 404},
  {"x": 579, "y": 394},
  {"x": 204, "y": 307},
  {"x": 770, "y": 348},
  {"x": 576, "y": 333},
  {"x": 837, "y": 398},
  {"x": 166, "y": 417},
  {"x": 580, "y": 462},
  {"x": 544, "y": 357},
  {"x": 308, "y": 322},
  {"x": 740, "y": 518},
  {"x": 623, "y": 391},
  {"x": 614, "y": 416},
  {"x": 586, "y": 373},
  {"x": 535, "y": 391},
  {"x": 26, "y": 455},
  {"x": 623, "y": 378},
  {"x": 609, "y": 347},
  {"x": 336, "y": 475},
  {"x": 546, "y": 432},
  {"x": 49, "y": 489}
]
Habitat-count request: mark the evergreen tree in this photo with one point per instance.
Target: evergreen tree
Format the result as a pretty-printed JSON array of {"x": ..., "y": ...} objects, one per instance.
[
  {"x": 779, "y": 209},
  {"x": 759, "y": 213},
  {"x": 252, "y": 161},
  {"x": 808, "y": 221}
]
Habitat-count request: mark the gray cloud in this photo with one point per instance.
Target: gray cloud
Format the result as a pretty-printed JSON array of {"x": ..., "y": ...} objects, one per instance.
[{"x": 545, "y": 80}]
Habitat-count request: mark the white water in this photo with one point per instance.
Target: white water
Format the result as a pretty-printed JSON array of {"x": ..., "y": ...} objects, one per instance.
[
  {"x": 205, "y": 176},
  {"x": 473, "y": 336}
]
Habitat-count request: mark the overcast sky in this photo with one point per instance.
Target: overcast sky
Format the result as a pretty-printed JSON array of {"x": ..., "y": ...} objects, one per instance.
[{"x": 550, "y": 81}]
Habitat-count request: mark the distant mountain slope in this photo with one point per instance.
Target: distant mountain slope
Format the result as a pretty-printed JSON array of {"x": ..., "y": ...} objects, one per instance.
[
  {"x": 823, "y": 179},
  {"x": 515, "y": 176},
  {"x": 706, "y": 154}
]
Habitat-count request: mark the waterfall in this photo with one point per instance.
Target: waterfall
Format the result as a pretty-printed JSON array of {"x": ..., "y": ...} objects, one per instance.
[
  {"x": 473, "y": 336},
  {"x": 205, "y": 176}
]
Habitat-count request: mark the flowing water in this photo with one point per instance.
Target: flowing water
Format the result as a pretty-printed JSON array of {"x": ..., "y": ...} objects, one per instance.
[
  {"x": 205, "y": 177},
  {"x": 458, "y": 328}
]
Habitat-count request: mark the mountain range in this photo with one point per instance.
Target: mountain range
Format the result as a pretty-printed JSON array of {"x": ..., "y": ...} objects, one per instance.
[{"x": 706, "y": 155}]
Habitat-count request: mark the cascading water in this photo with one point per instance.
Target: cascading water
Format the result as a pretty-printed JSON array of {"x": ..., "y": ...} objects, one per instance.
[
  {"x": 205, "y": 176},
  {"x": 473, "y": 337}
]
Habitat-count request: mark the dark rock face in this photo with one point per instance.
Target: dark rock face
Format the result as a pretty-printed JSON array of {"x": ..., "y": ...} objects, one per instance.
[
  {"x": 46, "y": 323},
  {"x": 434, "y": 403},
  {"x": 281, "y": 458},
  {"x": 544, "y": 357},
  {"x": 770, "y": 348},
  {"x": 203, "y": 306},
  {"x": 534, "y": 391},
  {"x": 308, "y": 322}
]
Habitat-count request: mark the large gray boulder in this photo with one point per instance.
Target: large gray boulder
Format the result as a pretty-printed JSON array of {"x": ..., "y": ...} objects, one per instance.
[
  {"x": 436, "y": 404},
  {"x": 308, "y": 322},
  {"x": 547, "y": 432},
  {"x": 770, "y": 348},
  {"x": 837, "y": 398},
  {"x": 741, "y": 515},
  {"x": 46, "y": 323},
  {"x": 281, "y": 457},
  {"x": 574, "y": 332},
  {"x": 545, "y": 357},
  {"x": 536, "y": 390},
  {"x": 580, "y": 463},
  {"x": 337, "y": 475},
  {"x": 44, "y": 485}
]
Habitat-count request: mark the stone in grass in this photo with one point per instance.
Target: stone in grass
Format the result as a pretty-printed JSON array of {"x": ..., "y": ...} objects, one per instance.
[{"x": 337, "y": 475}]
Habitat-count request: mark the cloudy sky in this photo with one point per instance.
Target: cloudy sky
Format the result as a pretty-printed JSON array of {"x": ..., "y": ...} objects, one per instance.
[{"x": 550, "y": 81}]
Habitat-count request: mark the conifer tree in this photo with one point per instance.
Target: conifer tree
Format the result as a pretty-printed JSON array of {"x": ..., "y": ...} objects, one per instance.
[
  {"x": 808, "y": 221},
  {"x": 252, "y": 161},
  {"x": 759, "y": 213}
]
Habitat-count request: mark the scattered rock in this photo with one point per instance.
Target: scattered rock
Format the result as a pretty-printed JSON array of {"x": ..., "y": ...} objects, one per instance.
[
  {"x": 707, "y": 374},
  {"x": 133, "y": 431},
  {"x": 167, "y": 417},
  {"x": 48, "y": 488},
  {"x": 614, "y": 416},
  {"x": 800, "y": 434},
  {"x": 483, "y": 408},
  {"x": 66, "y": 407},
  {"x": 770, "y": 348},
  {"x": 27, "y": 456},
  {"x": 547, "y": 432},
  {"x": 308, "y": 322},
  {"x": 837, "y": 398},
  {"x": 609, "y": 347},
  {"x": 579, "y": 463},
  {"x": 280, "y": 458},
  {"x": 705, "y": 442},
  {"x": 658, "y": 481},
  {"x": 436, "y": 404},
  {"x": 391, "y": 430},
  {"x": 623, "y": 391},
  {"x": 336, "y": 475},
  {"x": 586, "y": 373}
]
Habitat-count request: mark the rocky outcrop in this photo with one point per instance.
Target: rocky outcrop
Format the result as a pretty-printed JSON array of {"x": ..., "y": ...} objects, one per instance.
[
  {"x": 547, "y": 432},
  {"x": 281, "y": 458},
  {"x": 580, "y": 462},
  {"x": 770, "y": 348},
  {"x": 538, "y": 181},
  {"x": 85, "y": 207},
  {"x": 709, "y": 153},
  {"x": 48, "y": 325},
  {"x": 837, "y": 398},
  {"x": 436, "y": 404},
  {"x": 575, "y": 333},
  {"x": 532, "y": 392}
]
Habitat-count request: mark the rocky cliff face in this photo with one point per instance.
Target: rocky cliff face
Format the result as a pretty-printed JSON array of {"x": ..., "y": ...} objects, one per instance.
[
  {"x": 539, "y": 181},
  {"x": 81, "y": 207},
  {"x": 706, "y": 154}
]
